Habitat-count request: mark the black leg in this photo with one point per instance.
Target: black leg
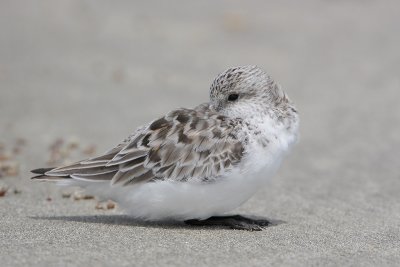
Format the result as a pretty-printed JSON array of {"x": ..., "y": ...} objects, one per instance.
[{"x": 232, "y": 221}]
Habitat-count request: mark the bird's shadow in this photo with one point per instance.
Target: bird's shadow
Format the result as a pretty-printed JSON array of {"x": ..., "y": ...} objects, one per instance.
[
  {"x": 126, "y": 220},
  {"x": 123, "y": 220}
]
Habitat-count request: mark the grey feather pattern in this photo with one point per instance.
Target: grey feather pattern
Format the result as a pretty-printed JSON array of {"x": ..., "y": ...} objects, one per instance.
[{"x": 185, "y": 144}]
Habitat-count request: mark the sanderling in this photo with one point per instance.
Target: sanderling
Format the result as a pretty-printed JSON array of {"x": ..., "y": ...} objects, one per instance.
[{"x": 195, "y": 165}]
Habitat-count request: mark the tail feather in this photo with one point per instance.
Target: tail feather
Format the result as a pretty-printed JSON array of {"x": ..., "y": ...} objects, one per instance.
[
  {"x": 42, "y": 175},
  {"x": 50, "y": 178},
  {"x": 89, "y": 170},
  {"x": 41, "y": 170}
]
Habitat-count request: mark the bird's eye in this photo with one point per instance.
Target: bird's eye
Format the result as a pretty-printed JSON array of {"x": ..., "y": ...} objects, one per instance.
[{"x": 233, "y": 97}]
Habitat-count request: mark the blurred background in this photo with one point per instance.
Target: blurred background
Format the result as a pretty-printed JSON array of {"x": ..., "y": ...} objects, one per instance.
[{"x": 84, "y": 74}]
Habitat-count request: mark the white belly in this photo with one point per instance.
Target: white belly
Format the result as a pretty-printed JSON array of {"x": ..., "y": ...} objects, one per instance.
[{"x": 185, "y": 200}]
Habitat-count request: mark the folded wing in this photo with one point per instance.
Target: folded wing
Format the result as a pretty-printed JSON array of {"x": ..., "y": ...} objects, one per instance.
[{"x": 186, "y": 144}]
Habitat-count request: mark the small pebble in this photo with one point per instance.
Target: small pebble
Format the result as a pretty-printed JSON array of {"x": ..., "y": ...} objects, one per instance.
[
  {"x": 89, "y": 150},
  {"x": 74, "y": 144},
  {"x": 99, "y": 206},
  {"x": 66, "y": 195},
  {"x": 4, "y": 157},
  {"x": 80, "y": 195},
  {"x": 109, "y": 205},
  {"x": 234, "y": 22},
  {"x": 9, "y": 168},
  {"x": 17, "y": 191},
  {"x": 3, "y": 191}
]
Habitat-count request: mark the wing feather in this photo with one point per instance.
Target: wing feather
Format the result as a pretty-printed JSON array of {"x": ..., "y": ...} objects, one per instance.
[{"x": 186, "y": 144}]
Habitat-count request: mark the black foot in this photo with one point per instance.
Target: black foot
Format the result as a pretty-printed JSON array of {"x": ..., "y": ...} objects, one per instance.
[{"x": 233, "y": 221}]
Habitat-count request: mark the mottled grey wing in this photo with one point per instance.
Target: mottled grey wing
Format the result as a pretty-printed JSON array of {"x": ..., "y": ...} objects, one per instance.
[{"x": 185, "y": 144}]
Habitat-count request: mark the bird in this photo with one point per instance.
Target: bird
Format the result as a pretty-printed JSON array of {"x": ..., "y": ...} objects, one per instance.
[{"x": 195, "y": 165}]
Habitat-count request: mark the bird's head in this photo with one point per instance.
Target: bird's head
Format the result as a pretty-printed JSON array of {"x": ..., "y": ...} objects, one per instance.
[{"x": 248, "y": 92}]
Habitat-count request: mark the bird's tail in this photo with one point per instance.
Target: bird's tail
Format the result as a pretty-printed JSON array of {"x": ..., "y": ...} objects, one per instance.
[{"x": 41, "y": 175}]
